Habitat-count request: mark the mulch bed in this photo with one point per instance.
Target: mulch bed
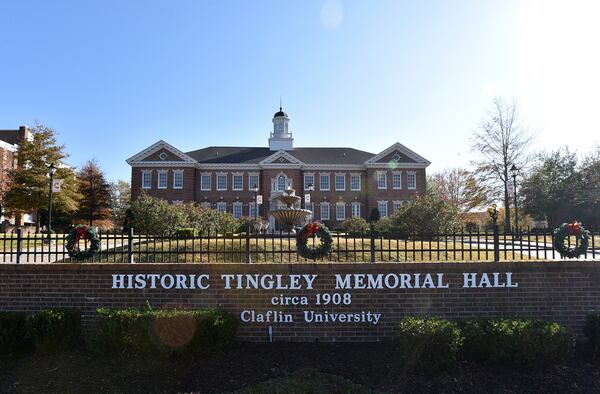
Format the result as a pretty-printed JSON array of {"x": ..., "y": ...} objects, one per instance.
[{"x": 375, "y": 366}]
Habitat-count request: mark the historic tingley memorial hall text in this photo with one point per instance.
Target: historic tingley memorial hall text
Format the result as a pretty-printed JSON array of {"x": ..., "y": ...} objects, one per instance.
[{"x": 339, "y": 295}]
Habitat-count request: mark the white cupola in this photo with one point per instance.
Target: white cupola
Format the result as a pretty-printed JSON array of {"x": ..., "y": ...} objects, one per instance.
[{"x": 281, "y": 137}]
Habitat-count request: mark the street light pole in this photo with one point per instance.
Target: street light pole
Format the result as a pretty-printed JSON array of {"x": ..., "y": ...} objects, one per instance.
[
  {"x": 255, "y": 190},
  {"x": 515, "y": 171},
  {"x": 51, "y": 172},
  {"x": 310, "y": 189}
]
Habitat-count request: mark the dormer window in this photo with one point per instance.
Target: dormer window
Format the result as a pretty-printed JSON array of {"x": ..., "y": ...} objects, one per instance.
[{"x": 162, "y": 156}]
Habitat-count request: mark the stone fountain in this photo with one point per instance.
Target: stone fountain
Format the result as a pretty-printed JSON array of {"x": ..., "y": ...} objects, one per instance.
[{"x": 290, "y": 217}]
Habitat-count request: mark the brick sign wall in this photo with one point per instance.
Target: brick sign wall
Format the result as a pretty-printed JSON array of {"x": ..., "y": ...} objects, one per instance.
[{"x": 308, "y": 302}]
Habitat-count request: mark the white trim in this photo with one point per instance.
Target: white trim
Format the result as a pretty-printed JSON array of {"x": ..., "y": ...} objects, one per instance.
[
  {"x": 304, "y": 175},
  {"x": 9, "y": 147},
  {"x": 174, "y": 177},
  {"x": 402, "y": 149},
  {"x": 340, "y": 204},
  {"x": 353, "y": 205},
  {"x": 383, "y": 202},
  {"x": 217, "y": 180},
  {"x": 148, "y": 172},
  {"x": 343, "y": 175},
  {"x": 400, "y": 174},
  {"x": 279, "y": 154},
  {"x": 177, "y": 202},
  {"x": 139, "y": 157},
  {"x": 240, "y": 205},
  {"x": 166, "y": 174},
  {"x": 384, "y": 173},
  {"x": 250, "y": 185},
  {"x": 233, "y": 176},
  {"x": 209, "y": 175},
  {"x": 328, "y": 174},
  {"x": 328, "y": 205},
  {"x": 397, "y": 203},
  {"x": 221, "y": 203},
  {"x": 408, "y": 174},
  {"x": 355, "y": 174}
]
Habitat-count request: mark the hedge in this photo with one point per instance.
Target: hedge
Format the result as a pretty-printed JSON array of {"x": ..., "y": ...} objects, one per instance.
[
  {"x": 591, "y": 329},
  {"x": 429, "y": 344},
  {"x": 12, "y": 331},
  {"x": 54, "y": 330},
  {"x": 163, "y": 332}
]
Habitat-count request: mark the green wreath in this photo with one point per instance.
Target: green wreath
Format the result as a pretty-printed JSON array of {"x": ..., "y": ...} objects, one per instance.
[
  {"x": 312, "y": 230},
  {"x": 88, "y": 234},
  {"x": 561, "y": 237}
]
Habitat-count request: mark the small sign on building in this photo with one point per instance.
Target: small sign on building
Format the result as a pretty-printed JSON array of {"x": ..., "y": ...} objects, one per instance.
[
  {"x": 307, "y": 198},
  {"x": 259, "y": 199}
]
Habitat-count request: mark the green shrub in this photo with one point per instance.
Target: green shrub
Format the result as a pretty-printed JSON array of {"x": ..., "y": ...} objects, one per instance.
[
  {"x": 54, "y": 330},
  {"x": 188, "y": 232},
  {"x": 430, "y": 344},
  {"x": 591, "y": 329},
  {"x": 163, "y": 332},
  {"x": 355, "y": 225},
  {"x": 12, "y": 331},
  {"x": 156, "y": 216},
  {"x": 527, "y": 343}
]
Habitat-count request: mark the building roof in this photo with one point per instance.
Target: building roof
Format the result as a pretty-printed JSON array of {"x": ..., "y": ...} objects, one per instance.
[
  {"x": 249, "y": 155},
  {"x": 11, "y": 136}
]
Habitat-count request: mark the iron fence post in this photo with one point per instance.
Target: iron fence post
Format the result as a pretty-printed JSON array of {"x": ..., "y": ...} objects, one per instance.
[
  {"x": 496, "y": 243},
  {"x": 130, "y": 246},
  {"x": 372, "y": 232},
  {"x": 19, "y": 240}
]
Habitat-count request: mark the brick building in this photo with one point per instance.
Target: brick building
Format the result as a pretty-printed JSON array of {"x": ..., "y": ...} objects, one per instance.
[
  {"x": 9, "y": 142},
  {"x": 345, "y": 182}
]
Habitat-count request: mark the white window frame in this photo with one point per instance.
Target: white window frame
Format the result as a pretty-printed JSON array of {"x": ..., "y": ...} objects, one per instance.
[
  {"x": 161, "y": 174},
  {"x": 311, "y": 207},
  {"x": 307, "y": 182},
  {"x": 382, "y": 212},
  {"x": 343, "y": 177},
  {"x": 239, "y": 177},
  {"x": 394, "y": 185},
  {"x": 220, "y": 175},
  {"x": 325, "y": 204},
  {"x": 222, "y": 206},
  {"x": 252, "y": 212},
  {"x": 257, "y": 182},
  {"x": 396, "y": 205},
  {"x": 203, "y": 176},
  {"x": 321, "y": 178},
  {"x": 206, "y": 205},
  {"x": 354, "y": 176},
  {"x": 175, "y": 174},
  {"x": 177, "y": 202},
  {"x": 379, "y": 180},
  {"x": 355, "y": 210},
  {"x": 147, "y": 173},
  {"x": 412, "y": 175},
  {"x": 237, "y": 206},
  {"x": 339, "y": 217}
]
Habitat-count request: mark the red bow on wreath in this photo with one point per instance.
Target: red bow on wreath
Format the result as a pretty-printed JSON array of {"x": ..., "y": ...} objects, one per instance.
[
  {"x": 312, "y": 229},
  {"x": 574, "y": 228},
  {"x": 81, "y": 232}
]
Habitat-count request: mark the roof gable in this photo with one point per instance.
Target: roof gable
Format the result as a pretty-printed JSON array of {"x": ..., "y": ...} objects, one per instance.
[
  {"x": 404, "y": 155},
  {"x": 281, "y": 157},
  {"x": 160, "y": 152}
]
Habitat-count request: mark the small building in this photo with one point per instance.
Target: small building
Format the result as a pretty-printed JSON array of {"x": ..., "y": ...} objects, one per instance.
[
  {"x": 341, "y": 182},
  {"x": 9, "y": 143}
]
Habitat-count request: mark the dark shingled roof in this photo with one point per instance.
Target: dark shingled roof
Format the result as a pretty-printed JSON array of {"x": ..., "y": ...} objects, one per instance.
[
  {"x": 11, "y": 136},
  {"x": 249, "y": 155}
]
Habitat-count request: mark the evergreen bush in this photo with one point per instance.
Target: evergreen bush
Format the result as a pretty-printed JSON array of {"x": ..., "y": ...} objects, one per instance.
[
  {"x": 12, "y": 331},
  {"x": 54, "y": 330},
  {"x": 429, "y": 344}
]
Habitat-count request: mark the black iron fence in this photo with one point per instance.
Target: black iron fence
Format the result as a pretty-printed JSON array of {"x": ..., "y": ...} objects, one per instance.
[{"x": 478, "y": 245}]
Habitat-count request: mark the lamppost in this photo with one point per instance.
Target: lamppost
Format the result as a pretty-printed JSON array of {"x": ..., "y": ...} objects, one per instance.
[
  {"x": 255, "y": 190},
  {"x": 515, "y": 171},
  {"x": 310, "y": 188},
  {"x": 51, "y": 172}
]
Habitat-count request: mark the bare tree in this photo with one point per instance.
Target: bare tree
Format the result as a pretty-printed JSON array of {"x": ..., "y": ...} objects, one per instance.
[
  {"x": 461, "y": 188},
  {"x": 501, "y": 141}
]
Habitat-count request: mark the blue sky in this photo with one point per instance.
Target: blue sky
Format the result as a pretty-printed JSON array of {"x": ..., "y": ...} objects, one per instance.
[{"x": 113, "y": 77}]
